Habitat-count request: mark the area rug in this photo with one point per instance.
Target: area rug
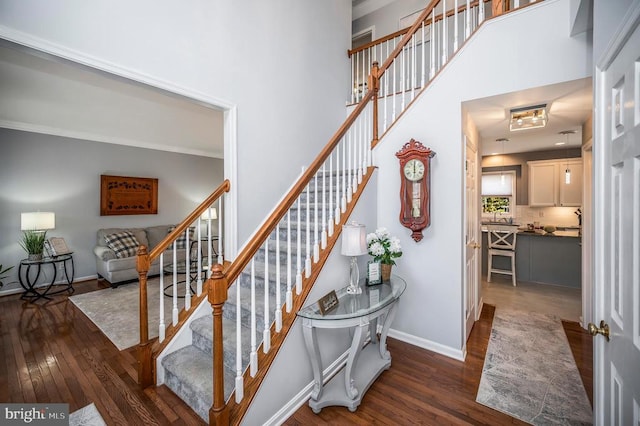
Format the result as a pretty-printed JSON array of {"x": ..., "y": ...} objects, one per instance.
[
  {"x": 87, "y": 416},
  {"x": 116, "y": 311},
  {"x": 529, "y": 371}
]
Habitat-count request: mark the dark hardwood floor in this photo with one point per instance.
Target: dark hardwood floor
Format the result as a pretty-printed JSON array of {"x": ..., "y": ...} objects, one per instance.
[{"x": 51, "y": 352}]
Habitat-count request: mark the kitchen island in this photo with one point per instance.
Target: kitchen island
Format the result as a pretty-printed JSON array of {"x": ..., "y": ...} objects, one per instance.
[{"x": 543, "y": 258}]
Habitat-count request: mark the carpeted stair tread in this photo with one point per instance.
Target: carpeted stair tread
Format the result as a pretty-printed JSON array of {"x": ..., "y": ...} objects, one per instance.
[
  {"x": 202, "y": 338},
  {"x": 188, "y": 373}
]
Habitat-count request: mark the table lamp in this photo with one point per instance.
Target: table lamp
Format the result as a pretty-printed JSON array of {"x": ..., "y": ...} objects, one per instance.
[
  {"x": 37, "y": 221},
  {"x": 354, "y": 243},
  {"x": 209, "y": 214}
]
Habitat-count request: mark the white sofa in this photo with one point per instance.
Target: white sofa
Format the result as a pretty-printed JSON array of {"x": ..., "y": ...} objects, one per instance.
[{"x": 120, "y": 270}]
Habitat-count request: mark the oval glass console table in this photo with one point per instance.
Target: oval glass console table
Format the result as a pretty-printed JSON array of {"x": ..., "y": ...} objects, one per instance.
[{"x": 364, "y": 363}]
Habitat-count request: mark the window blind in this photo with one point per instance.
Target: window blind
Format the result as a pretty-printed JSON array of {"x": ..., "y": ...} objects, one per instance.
[{"x": 497, "y": 183}]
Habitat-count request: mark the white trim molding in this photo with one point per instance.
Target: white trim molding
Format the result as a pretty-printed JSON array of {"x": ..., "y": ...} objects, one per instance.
[{"x": 429, "y": 345}]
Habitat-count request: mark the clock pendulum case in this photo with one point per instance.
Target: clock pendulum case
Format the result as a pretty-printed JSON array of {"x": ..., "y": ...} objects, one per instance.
[{"x": 414, "y": 188}]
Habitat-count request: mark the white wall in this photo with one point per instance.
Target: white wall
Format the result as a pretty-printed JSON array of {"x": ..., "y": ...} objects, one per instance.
[
  {"x": 291, "y": 370},
  {"x": 493, "y": 62},
  {"x": 62, "y": 175},
  {"x": 282, "y": 63},
  {"x": 386, "y": 20}
]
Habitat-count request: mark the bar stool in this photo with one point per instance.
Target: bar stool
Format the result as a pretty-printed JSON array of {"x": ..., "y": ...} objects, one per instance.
[{"x": 502, "y": 242}]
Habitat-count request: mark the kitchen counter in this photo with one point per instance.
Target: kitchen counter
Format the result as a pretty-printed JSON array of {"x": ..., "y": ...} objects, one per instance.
[
  {"x": 572, "y": 233},
  {"x": 543, "y": 258}
]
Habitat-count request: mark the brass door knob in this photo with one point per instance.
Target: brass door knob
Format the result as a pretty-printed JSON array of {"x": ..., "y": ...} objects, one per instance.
[{"x": 603, "y": 329}]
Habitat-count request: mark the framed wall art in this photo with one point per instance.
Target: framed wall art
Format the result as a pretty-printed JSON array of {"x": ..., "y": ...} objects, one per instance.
[{"x": 122, "y": 195}]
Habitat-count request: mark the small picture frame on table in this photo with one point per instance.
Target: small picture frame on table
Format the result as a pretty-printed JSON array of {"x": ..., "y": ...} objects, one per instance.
[{"x": 374, "y": 273}]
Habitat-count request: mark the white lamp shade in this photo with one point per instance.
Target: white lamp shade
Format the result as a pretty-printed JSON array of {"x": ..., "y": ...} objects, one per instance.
[
  {"x": 354, "y": 239},
  {"x": 37, "y": 221},
  {"x": 210, "y": 214}
]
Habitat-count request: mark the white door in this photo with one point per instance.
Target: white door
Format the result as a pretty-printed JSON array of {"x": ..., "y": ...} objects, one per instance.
[
  {"x": 472, "y": 266},
  {"x": 617, "y": 229}
]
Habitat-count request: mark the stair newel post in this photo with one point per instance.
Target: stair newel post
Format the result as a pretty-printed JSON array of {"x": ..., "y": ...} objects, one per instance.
[
  {"x": 374, "y": 83},
  {"x": 145, "y": 369},
  {"x": 219, "y": 412}
]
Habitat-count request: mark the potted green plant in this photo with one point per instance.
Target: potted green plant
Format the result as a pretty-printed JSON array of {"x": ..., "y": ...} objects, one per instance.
[
  {"x": 384, "y": 248},
  {"x": 3, "y": 274},
  {"x": 33, "y": 243}
]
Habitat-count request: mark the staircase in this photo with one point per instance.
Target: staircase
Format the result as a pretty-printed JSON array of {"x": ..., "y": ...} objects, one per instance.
[
  {"x": 254, "y": 298},
  {"x": 187, "y": 370}
]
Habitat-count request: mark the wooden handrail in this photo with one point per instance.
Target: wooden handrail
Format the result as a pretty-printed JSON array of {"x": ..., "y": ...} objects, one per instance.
[
  {"x": 243, "y": 259},
  {"x": 405, "y": 30},
  {"x": 179, "y": 229}
]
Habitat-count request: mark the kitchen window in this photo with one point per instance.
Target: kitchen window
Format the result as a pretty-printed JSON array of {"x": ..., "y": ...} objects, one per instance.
[{"x": 498, "y": 194}]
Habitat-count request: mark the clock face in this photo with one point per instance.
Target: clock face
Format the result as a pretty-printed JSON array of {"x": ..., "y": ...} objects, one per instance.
[{"x": 414, "y": 170}]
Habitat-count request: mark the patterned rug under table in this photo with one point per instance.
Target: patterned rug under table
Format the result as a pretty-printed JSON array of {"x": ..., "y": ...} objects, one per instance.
[{"x": 529, "y": 371}]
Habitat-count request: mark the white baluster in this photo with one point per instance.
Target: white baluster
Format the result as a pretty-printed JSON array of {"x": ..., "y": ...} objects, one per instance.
[
  {"x": 220, "y": 232},
  {"x": 239, "y": 377},
  {"x": 278, "y": 296},
  {"x": 336, "y": 215},
  {"x": 343, "y": 201},
  {"x": 187, "y": 276},
  {"x": 323, "y": 235},
  {"x": 386, "y": 92},
  {"x": 209, "y": 250},
  {"x": 455, "y": 26},
  {"x": 253, "y": 356},
  {"x": 403, "y": 82},
  {"x": 353, "y": 80},
  {"x": 423, "y": 69},
  {"x": 432, "y": 44},
  {"x": 413, "y": 66},
  {"x": 266, "y": 334},
  {"x": 467, "y": 16},
  {"x": 307, "y": 263},
  {"x": 288, "y": 294},
  {"x": 364, "y": 74},
  {"x": 393, "y": 94},
  {"x": 199, "y": 246},
  {"x": 175, "y": 284},
  {"x": 316, "y": 220},
  {"x": 330, "y": 227},
  {"x": 161, "y": 325},
  {"x": 350, "y": 162},
  {"x": 357, "y": 87},
  {"x": 444, "y": 32},
  {"x": 516, "y": 4},
  {"x": 354, "y": 166},
  {"x": 362, "y": 121},
  {"x": 480, "y": 12}
]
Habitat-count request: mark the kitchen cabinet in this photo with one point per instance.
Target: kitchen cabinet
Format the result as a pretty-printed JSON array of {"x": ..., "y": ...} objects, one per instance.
[
  {"x": 544, "y": 259},
  {"x": 547, "y": 185}
]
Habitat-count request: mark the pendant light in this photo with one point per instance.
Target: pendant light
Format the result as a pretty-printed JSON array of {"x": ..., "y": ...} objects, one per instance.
[
  {"x": 502, "y": 177},
  {"x": 567, "y": 170}
]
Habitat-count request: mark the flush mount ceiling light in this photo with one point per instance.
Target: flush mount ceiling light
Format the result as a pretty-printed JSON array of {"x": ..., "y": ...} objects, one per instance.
[{"x": 531, "y": 117}]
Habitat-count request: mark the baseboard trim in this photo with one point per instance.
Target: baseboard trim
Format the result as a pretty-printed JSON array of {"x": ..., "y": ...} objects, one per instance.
[
  {"x": 303, "y": 396},
  {"x": 18, "y": 290},
  {"x": 428, "y": 344}
]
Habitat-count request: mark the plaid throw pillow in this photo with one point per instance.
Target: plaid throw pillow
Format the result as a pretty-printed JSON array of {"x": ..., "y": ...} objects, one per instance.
[
  {"x": 124, "y": 244},
  {"x": 181, "y": 241}
]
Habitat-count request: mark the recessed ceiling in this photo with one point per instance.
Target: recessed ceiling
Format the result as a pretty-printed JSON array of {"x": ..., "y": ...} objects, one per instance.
[
  {"x": 569, "y": 106},
  {"x": 49, "y": 96}
]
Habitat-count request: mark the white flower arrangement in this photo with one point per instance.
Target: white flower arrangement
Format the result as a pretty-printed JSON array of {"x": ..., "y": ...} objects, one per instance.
[{"x": 383, "y": 247}]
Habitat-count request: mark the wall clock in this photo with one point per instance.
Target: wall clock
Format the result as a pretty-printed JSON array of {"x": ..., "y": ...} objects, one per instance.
[{"x": 414, "y": 188}]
